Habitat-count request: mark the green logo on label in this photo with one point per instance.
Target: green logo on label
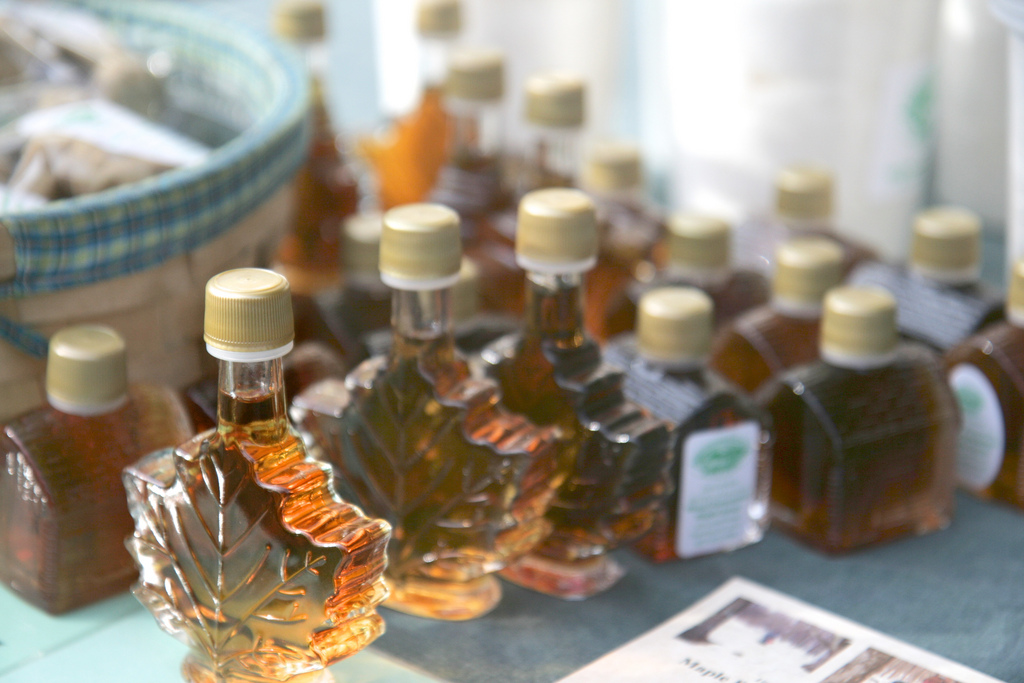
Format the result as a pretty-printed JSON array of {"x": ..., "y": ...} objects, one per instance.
[
  {"x": 919, "y": 109},
  {"x": 721, "y": 455},
  {"x": 970, "y": 400}
]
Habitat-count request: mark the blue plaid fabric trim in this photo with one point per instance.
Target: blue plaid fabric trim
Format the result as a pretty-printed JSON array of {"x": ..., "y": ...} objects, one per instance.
[{"x": 124, "y": 230}]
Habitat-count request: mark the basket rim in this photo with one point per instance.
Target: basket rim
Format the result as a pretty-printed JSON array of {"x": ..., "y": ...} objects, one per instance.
[{"x": 288, "y": 108}]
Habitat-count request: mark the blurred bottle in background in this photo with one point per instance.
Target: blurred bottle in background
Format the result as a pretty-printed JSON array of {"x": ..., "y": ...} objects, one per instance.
[
  {"x": 699, "y": 255},
  {"x": 941, "y": 297},
  {"x": 326, "y": 190},
  {"x": 408, "y": 157},
  {"x": 803, "y": 208},
  {"x": 629, "y": 227}
]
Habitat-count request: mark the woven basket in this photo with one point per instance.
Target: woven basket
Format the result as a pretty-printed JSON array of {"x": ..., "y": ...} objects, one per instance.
[{"x": 137, "y": 257}]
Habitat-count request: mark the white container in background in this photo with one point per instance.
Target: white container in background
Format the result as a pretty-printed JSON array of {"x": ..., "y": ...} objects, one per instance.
[
  {"x": 971, "y": 111},
  {"x": 758, "y": 84},
  {"x": 1011, "y": 13}
]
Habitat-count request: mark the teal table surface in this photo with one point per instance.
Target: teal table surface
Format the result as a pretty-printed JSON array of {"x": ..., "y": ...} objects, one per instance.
[{"x": 958, "y": 593}]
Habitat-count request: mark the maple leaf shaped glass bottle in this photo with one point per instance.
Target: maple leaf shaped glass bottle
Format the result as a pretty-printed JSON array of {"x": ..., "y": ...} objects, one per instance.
[
  {"x": 63, "y": 517},
  {"x": 721, "y": 443},
  {"x": 409, "y": 156},
  {"x": 769, "y": 339},
  {"x": 940, "y": 296},
  {"x": 865, "y": 438},
  {"x": 987, "y": 373},
  {"x": 325, "y": 187},
  {"x": 803, "y": 208},
  {"x": 244, "y": 551},
  {"x": 418, "y": 441},
  {"x": 552, "y": 373},
  {"x": 699, "y": 256},
  {"x": 554, "y": 110},
  {"x": 629, "y": 229}
]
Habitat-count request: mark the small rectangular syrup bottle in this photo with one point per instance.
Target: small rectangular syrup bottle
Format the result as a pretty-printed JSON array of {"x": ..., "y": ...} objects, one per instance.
[
  {"x": 554, "y": 116},
  {"x": 940, "y": 296},
  {"x": 769, "y": 339},
  {"x": 987, "y": 374},
  {"x": 699, "y": 255},
  {"x": 63, "y": 517},
  {"x": 552, "y": 373},
  {"x": 244, "y": 550},
  {"x": 419, "y": 441},
  {"x": 865, "y": 438},
  {"x": 803, "y": 208},
  {"x": 721, "y": 443}
]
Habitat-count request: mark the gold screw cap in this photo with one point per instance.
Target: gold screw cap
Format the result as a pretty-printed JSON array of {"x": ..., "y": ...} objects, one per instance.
[
  {"x": 698, "y": 241},
  {"x": 858, "y": 325},
  {"x": 420, "y": 247},
  {"x": 248, "y": 315},
  {"x": 946, "y": 243},
  {"x": 806, "y": 268},
  {"x": 1015, "y": 300},
  {"x": 466, "y": 292},
  {"x": 674, "y": 325},
  {"x": 612, "y": 166},
  {"x": 803, "y": 193},
  {"x": 299, "y": 20},
  {"x": 438, "y": 18},
  {"x": 86, "y": 370},
  {"x": 555, "y": 99},
  {"x": 556, "y": 232},
  {"x": 476, "y": 74},
  {"x": 362, "y": 243}
]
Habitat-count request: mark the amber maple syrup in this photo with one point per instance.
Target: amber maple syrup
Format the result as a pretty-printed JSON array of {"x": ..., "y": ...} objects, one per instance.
[
  {"x": 769, "y": 339},
  {"x": 246, "y": 553},
  {"x": 865, "y": 448}
]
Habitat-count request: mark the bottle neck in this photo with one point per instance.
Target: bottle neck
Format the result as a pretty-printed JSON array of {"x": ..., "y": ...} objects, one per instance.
[
  {"x": 475, "y": 132},
  {"x": 554, "y": 308},
  {"x": 251, "y": 398},
  {"x": 421, "y": 323},
  {"x": 434, "y": 60},
  {"x": 553, "y": 157}
]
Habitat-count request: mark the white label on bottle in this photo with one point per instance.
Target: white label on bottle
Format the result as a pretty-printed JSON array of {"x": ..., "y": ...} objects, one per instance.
[
  {"x": 718, "y": 480},
  {"x": 904, "y": 133},
  {"x": 982, "y": 441}
]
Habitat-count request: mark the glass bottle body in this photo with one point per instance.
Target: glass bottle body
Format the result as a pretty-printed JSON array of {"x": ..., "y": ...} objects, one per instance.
[
  {"x": 721, "y": 457},
  {"x": 553, "y": 374},
  {"x": 987, "y": 374},
  {"x": 756, "y": 239},
  {"x": 630, "y": 232},
  {"x": 763, "y": 343},
  {"x": 732, "y": 291},
  {"x": 243, "y": 549},
  {"x": 418, "y": 441},
  {"x": 863, "y": 456},
  {"x": 939, "y": 315},
  {"x": 63, "y": 518}
]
